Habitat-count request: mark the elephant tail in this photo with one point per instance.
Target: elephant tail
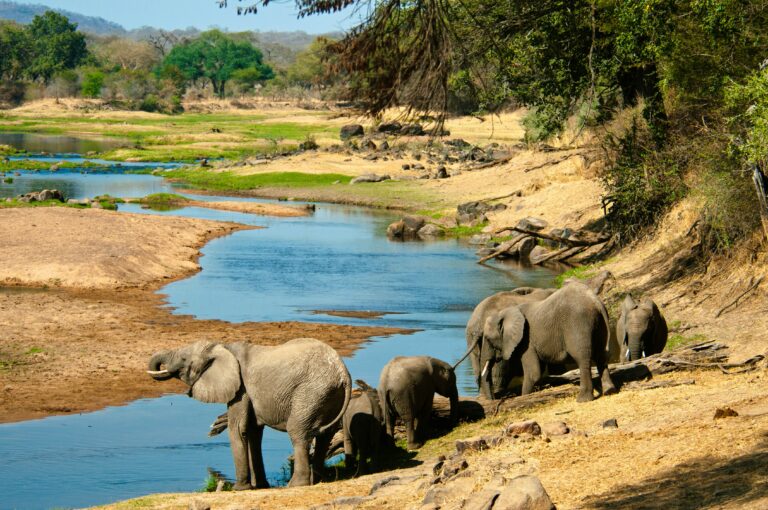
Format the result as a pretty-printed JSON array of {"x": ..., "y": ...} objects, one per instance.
[{"x": 347, "y": 381}]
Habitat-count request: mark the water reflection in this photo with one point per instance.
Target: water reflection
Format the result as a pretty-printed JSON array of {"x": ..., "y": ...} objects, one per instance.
[{"x": 55, "y": 144}]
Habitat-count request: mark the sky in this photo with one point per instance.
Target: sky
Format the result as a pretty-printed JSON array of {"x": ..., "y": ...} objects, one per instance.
[{"x": 280, "y": 15}]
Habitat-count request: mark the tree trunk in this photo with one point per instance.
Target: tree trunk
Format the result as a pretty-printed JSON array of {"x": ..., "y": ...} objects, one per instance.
[{"x": 760, "y": 187}]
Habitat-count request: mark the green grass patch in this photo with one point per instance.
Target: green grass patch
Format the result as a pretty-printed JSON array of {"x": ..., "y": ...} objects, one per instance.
[
  {"x": 435, "y": 215},
  {"x": 227, "y": 181},
  {"x": 163, "y": 198},
  {"x": 675, "y": 341},
  {"x": 36, "y": 166},
  {"x": 464, "y": 230},
  {"x": 34, "y": 350},
  {"x": 212, "y": 482},
  {"x": 8, "y": 180},
  {"x": 15, "y": 203},
  {"x": 580, "y": 273}
]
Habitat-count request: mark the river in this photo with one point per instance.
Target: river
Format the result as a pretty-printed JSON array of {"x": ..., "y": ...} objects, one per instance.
[{"x": 337, "y": 259}]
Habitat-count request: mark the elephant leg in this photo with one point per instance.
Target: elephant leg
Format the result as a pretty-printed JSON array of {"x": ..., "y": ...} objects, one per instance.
[
  {"x": 322, "y": 442},
  {"x": 422, "y": 423},
  {"x": 585, "y": 381},
  {"x": 237, "y": 422},
  {"x": 531, "y": 371},
  {"x": 349, "y": 452},
  {"x": 302, "y": 473},
  {"x": 410, "y": 431},
  {"x": 258, "y": 474},
  {"x": 606, "y": 383}
]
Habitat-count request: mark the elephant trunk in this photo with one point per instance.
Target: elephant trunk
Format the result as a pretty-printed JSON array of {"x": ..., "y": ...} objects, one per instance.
[
  {"x": 636, "y": 346},
  {"x": 155, "y": 369}
]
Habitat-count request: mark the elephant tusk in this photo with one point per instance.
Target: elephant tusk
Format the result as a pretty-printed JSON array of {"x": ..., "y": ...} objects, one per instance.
[
  {"x": 485, "y": 369},
  {"x": 157, "y": 372}
]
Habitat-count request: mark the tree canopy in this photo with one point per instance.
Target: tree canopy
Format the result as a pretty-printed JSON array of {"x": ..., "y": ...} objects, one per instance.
[{"x": 218, "y": 57}]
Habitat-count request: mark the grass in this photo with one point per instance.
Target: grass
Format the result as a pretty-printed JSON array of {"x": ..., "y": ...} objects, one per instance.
[
  {"x": 33, "y": 165},
  {"x": 464, "y": 231},
  {"x": 227, "y": 181},
  {"x": 579, "y": 272},
  {"x": 163, "y": 198},
  {"x": 677, "y": 340},
  {"x": 212, "y": 482},
  {"x": 34, "y": 350},
  {"x": 15, "y": 203},
  {"x": 8, "y": 180}
]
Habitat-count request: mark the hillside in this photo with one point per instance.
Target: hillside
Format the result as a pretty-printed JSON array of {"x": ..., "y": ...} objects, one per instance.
[{"x": 24, "y": 14}]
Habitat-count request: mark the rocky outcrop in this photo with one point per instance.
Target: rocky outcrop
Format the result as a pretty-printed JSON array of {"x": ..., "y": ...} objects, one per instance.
[
  {"x": 42, "y": 196},
  {"x": 351, "y": 131}
]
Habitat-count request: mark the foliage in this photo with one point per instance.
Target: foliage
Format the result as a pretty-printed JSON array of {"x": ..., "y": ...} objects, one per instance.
[
  {"x": 215, "y": 56},
  {"x": 55, "y": 45},
  {"x": 93, "y": 81}
]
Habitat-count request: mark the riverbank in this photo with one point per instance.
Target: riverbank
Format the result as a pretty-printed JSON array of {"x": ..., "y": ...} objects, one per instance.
[{"x": 80, "y": 314}]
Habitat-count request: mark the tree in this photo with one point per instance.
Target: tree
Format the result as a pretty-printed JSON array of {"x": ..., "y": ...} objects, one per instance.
[
  {"x": 14, "y": 51},
  {"x": 56, "y": 45},
  {"x": 308, "y": 69},
  {"x": 215, "y": 56}
]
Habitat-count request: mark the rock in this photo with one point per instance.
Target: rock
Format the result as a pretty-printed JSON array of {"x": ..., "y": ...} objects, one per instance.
[
  {"x": 351, "y": 131},
  {"x": 538, "y": 254},
  {"x": 479, "y": 239},
  {"x": 369, "y": 145},
  {"x": 413, "y": 223},
  {"x": 481, "y": 500},
  {"x": 493, "y": 441},
  {"x": 197, "y": 504},
  {"x": 96, "y": 205},
  {"x": 343, "y": 502},
  {"x": 473, "y": 444},
  {"x": 383, "y": 482},
  {"x": 430, "y": 230},
  {"x": 389, "y": 127},
  {"x": 531, "y": 223},
  {"x": 455, "y": 490},
  {"x": 369, "y": 178},
  {"x": 524, "y": 248},
  {"x": 418, "y": 166},
  {"x": 454, "y": 172},
  {"x": 725, "y": 412},
  {"x": 458, "y": 143},
  {"x": 406, "y": 166},
  {"x": 471, "y": 220},
  {"x": 453, "y": 467},
  {"x": 442, "y": 173},
  {"x": 524, "y": 493},
  {"x": 610, "y": 424},
  {"x": 555, "y": 428},
  {"x": 395, "y": 230},
  {"x": 522, "y": 427},
  {"x": 412, "y": 130}
]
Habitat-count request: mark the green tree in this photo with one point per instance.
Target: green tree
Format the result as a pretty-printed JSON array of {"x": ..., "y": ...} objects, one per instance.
[
  {"x": 56, "y": 45},
  {"x": 215, "y": 56},
  {"x": 14, "y": 51},
  {"x": 309, "y": 69},
  {"x": 93, "y": 82}
]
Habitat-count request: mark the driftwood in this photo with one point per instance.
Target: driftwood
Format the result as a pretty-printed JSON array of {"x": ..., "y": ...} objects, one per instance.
[
  {"x": 552, "y": 255},
  {"x": 635, "y": 385},
  {"x": 590, "y": 241},
  {"x": 752, "y": 286},
  {"x": 502, "y": 248}
]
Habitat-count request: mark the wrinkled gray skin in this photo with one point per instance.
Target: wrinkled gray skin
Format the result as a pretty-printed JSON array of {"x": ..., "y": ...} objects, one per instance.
[
  {"x": 500, "y": 374},
  {"x": 407, "y": 386},
  {"x": 641, "y": 329},
  {"x": 363, "y": 427},
  {"x": 301, "y": 387},
  {"x": 571, "y": 323}
]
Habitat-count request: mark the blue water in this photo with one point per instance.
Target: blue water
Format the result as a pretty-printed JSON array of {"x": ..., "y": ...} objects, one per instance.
[{"x": 339, "y": 258}]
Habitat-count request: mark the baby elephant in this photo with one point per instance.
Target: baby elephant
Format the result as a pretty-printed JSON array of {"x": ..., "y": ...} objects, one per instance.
[
  {"x": 406, "y": 388},
  {"x": 641, "y": 329},
  {"x": 363, "y": 427}
]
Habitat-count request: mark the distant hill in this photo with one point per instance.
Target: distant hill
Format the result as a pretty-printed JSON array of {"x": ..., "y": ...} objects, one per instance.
[{"x": 23, "y": 13}]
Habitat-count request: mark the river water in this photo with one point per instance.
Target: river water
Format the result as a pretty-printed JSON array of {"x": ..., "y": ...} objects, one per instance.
[{"x": 339, "y": 258}]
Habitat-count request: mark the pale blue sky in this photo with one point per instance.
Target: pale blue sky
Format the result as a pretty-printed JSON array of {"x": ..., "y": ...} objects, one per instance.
[{"x": 170, "y": 14}]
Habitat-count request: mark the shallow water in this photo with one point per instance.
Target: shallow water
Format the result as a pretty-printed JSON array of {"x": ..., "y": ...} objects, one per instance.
[
  {"x": 56, "y": 144},
  {"x": 339, "y": 258}
]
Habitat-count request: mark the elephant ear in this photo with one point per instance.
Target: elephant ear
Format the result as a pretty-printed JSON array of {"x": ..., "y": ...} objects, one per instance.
[
  {"x": 221, "y": 380},
  {"x": 512, "y": 327}
]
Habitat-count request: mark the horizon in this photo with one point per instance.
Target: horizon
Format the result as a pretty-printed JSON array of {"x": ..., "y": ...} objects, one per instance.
[{"x": 203, "y": 14}]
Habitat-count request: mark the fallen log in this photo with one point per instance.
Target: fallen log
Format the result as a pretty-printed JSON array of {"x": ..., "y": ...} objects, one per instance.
[
  {"x": 503, "y": 248},
  {"x": 591, "y": 241},
  {"x": 752, "y": 286}
]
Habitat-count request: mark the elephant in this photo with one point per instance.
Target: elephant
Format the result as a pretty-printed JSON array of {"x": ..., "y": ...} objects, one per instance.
[
  {"x": 501, "y": 373},
  {"x": 641, "y": 329},
  {"x": 301, "y": 387},
  {"x": 572, "y": 323},
  {"x": 363, "y": 429},
  {"x": 407, "y": 386}
]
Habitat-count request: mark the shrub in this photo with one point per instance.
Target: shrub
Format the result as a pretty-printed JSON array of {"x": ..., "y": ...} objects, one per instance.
[
  {"x": 93, "y": 81},
  {"x": 151, "y": 104}
]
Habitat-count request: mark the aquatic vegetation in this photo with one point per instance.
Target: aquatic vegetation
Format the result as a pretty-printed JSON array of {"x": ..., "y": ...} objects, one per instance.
[{"x": 204, "y": 179}]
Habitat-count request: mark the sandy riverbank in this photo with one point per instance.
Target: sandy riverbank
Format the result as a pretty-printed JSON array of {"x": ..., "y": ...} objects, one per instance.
[{"x": 82, "y": 315}]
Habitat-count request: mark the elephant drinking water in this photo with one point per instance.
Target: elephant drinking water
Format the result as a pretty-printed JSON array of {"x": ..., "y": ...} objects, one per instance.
[{"x": 301, "y": 387}]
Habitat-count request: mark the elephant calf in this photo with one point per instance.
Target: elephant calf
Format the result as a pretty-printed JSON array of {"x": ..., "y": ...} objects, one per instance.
[
  {"x": 363, "y": 428},
  {"x": 641, "y": 329},
  {"x": 406, "y": 388}
]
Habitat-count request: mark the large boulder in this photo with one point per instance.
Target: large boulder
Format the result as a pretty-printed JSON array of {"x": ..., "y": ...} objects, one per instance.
[
  {"x": 351, "y": 131},
  {"x": 538, "y": 254},
  {"x": 42, "y": 196},
  {"x": 524, "y": 493},
  {"x": 430, "y": 230},
  {"x": 412, "y": 130},
  {"x": 532, "y": 223}
]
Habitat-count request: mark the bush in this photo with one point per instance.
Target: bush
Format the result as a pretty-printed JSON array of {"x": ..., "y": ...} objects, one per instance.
[
  {"x": 542, "y": 123},
  {"x": 151, "y": 104},
  {"x": 12, "y": 92},
  {"x": 93, "y": 81}
]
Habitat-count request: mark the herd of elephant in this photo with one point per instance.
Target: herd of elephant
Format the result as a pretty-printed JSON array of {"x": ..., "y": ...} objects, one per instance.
[{"x": 303, "y": 388}]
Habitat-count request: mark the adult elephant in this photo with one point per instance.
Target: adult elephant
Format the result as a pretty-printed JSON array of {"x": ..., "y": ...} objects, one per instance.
[
  {"x": 494, "y": 378},
  {"x": 641, "y": 329},
  {"x": 301, "y": 387},
  {"x": 407, "y": 386},
  {"x": 572, "y": 323}
]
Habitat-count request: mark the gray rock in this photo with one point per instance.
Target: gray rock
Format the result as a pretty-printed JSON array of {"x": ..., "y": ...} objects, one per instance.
[
  {"x": 197, "y": 504},
  {"x": 389, "y": 127},
  {"x": 384, "y": 146},
  {"x": 610, "y": 424},
  {"x": 457, "y": 142},
  {"x": 406, "y": 166},
  {"x": 413, "y": 223},
  {"x": 523, "y": 427},
  {"x": 418, "y": 166},
  {"x": 351, "y": 131},
  {"x": 412, "y": 130},
  {"x": 369, "y": 144},
  {"x": 538, "y": 254},
  {"x": 430, "y": 230},
  {"x": 442, "y": 173},
  {"x": 525, "y": 247},
  {"x": 481, "y": 500},
  {"x": 383, "y": 482},
  {"x": 343, "y": 503},
  {"x": 472, "y": 444},
  {"x": 524, "y": 493},
  {"x": 369, "y": 178},
  {"x": 395, "y": 230},
  {"x": 96, "y": 205},
  {"x": 532, "y": 223},
  {"x": 479, "y": 239}
]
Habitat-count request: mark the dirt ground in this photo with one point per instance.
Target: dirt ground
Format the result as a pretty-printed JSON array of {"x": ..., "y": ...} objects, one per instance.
[{"x": 81, "y": 316}]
